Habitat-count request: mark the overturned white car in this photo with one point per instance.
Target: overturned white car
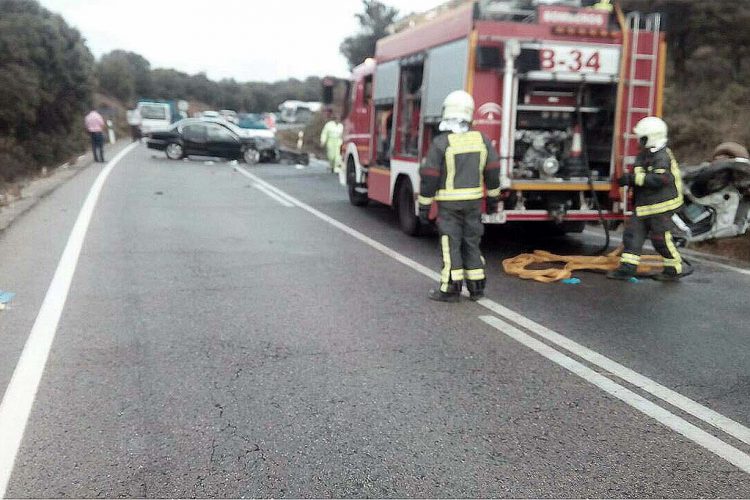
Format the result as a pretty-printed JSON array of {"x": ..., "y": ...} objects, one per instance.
[{"x": 717, "y": 195}]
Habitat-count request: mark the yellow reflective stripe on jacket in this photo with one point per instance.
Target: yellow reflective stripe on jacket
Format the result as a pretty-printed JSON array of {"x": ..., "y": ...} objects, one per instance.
[
  {"x": 475, "y": 274},
  {"x": 675, "y": 168},
  {"x": 469, "y": 142},
  {"x": 630, "y": 258},
  {"x": 640, "y": 175},
  {"x": 459, "y": 194},
  {"x": 493, "y": 193},
  {"x": 669, "y": 205},
  {"x": 659, "y": 208},
  {"x": 424, "y": 200}
]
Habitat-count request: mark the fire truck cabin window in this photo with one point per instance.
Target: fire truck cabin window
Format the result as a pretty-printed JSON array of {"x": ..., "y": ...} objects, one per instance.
[{"x": 410, "y": 105}]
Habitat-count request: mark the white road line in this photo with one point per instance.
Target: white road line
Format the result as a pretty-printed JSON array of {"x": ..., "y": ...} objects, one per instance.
[
  {"x": 352, "y": 232},
  {"x": 719, "y": 264},
  {"x": 690, "y": 253},
  {"x": 677, "y": 424},
  {"x": 21, "y": 391},
  {"x": 272, "y": 195},
  {"x": 726, "y": 424},
  {"x": 711, "y": 417}
]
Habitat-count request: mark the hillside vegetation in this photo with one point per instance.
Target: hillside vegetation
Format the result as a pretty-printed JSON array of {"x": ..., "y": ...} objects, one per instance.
[
  {"x": 49, "y": 79},
  {"x": 707, "y": 96}
]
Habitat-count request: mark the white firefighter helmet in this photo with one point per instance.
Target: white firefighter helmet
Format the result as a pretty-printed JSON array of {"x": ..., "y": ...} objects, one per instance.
[
  {"x": 651, "y": 132},
  {"x": 459, "y": 106}
]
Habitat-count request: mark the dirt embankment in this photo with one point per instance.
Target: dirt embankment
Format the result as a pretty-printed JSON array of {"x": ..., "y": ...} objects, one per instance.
[
  {"x": 733, "y": 248},
  {"x": 311, "y": 136}
]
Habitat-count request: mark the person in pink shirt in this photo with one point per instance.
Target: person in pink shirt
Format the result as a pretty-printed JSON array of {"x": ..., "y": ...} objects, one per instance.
[{"x": 95, "y": 126}]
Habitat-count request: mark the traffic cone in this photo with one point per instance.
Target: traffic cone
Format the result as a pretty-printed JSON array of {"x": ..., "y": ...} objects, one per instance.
[{"x": 576, "y": 148}]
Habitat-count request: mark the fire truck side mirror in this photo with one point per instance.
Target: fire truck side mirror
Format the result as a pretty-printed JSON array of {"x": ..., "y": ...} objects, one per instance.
[{"x": 490, "y": 58}]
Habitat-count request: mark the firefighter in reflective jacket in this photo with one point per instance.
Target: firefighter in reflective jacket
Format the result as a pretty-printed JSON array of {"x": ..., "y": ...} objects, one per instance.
[
  {"x": 331, "y": 138},
  {"x": 458, "y": 167},
  {"x": 657, "y": 194}
]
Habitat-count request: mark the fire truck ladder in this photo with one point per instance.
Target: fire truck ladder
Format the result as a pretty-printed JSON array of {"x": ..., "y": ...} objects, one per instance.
[{"x": 652, "y": 24}]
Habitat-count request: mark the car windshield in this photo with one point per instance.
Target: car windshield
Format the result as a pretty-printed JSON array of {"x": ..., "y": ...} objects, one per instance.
[
  {"x": 153, "y": 112},
  {"x": 252, "y": 121},
  {"x": 231, "y": 126}
]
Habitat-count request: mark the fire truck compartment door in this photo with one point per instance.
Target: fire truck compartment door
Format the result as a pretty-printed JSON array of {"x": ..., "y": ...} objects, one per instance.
[
  {"x": 386, "y": 82},
  {"x": 445, "y": 72}
]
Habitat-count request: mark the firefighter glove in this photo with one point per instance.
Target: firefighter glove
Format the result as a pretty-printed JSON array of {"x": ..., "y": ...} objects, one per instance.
[
  {"x": 492, "y": 204},
  {"x": 626, "y": 179},
  {"x": 424, "y": 214}
]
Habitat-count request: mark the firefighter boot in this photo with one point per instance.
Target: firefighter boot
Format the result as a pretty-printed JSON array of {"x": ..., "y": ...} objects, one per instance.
[
  {"x": 671, "y": 274},
  {"x": 452, "y": 295},
  {"x": 476, "y": 289},
  {"x": 623, "y": 273}
]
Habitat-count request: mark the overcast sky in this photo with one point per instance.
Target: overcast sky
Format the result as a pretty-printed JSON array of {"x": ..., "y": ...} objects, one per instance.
[{"x": 241, "y": 39}]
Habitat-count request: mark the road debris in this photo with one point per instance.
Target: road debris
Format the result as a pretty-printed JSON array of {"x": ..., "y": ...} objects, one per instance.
[{"x": 5, "y": 298}]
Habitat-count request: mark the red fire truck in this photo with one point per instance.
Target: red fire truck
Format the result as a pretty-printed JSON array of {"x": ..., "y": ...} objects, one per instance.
[{"x": 557, "y": 89}]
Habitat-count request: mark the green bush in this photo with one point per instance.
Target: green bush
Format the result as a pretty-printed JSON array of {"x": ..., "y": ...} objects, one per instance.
[
  {"x": 14, "y": 160},
  {"x": 46, "y": 77}
]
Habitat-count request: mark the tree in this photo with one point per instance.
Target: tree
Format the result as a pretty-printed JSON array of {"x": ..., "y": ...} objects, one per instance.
[
  {"x": 115, "y": 77},
  {"x": 373, "y": 21},
  {"x": 125, "y": 75},
  {"x": 46, "y": 77}
]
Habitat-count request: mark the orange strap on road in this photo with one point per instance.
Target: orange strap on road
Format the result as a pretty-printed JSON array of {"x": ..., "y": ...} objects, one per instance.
[{"x": 546, "y": 266}]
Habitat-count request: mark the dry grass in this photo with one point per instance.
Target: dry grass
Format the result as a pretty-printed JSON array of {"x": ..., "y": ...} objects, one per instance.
[
  {"x": 734, "y": 248},
  {"x": 311, "y": 141}
]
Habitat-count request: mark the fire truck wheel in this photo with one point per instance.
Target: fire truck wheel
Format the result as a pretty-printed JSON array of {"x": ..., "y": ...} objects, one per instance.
[
  {"x": 355, "y": 198},
  {"x": 407, "y": 218}
]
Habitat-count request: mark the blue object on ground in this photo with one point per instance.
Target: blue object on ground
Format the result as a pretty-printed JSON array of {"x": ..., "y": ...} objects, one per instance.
[
  {"x": 6, "y": 297},
  {"x": 571, "y": 281},
  {"x": 634, "y": 280}
]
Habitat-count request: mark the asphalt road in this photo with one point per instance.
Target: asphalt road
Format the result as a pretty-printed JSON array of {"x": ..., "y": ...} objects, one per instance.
[{"x": 222, "y": 340}]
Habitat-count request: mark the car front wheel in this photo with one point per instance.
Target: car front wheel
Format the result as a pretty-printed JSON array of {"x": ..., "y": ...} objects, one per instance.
[
  {"x": 174, "y": 151},
  {"x": 251, "y": 156}
]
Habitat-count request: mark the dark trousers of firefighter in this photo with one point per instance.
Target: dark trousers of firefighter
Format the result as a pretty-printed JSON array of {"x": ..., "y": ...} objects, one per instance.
[
  {"x": 658, "y": 228},
  {"x": 460, "y": 226}
]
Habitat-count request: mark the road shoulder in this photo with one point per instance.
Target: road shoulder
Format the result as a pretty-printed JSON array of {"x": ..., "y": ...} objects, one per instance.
[{"x": 39, "y": 188}]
